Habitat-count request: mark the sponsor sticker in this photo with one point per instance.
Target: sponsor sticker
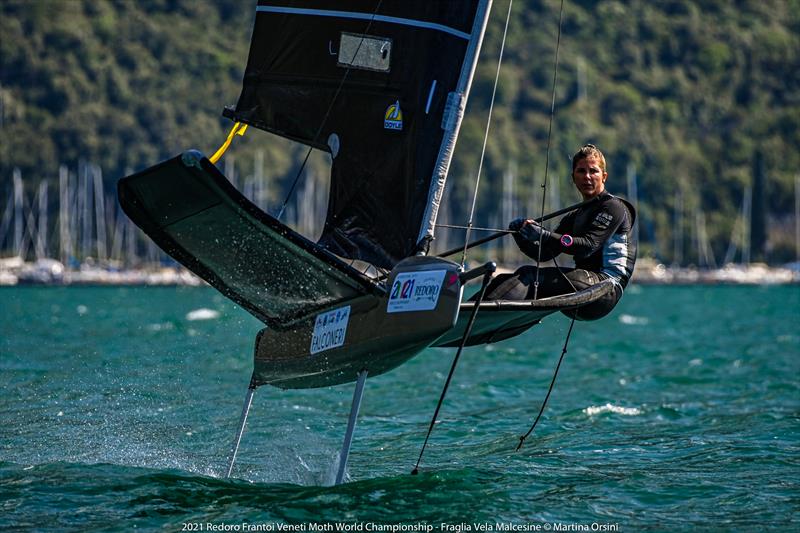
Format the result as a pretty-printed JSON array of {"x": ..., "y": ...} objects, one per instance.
[
  {"x": 415, "y": 291},
  {"x": 330, "y": 329},
  {"x": 603, "y": 220},
  {"x": 393, "y": 118}
]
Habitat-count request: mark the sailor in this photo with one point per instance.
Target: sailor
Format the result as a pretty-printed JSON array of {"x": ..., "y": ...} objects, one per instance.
[{"x": 599, "y": 237}]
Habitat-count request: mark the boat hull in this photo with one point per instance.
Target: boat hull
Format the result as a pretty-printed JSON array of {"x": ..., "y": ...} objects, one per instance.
[{"x": 379, "y": 334}]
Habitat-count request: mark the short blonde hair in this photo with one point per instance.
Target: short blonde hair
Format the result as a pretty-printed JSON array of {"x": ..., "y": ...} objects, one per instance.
[{"x": 589, "y": 150}]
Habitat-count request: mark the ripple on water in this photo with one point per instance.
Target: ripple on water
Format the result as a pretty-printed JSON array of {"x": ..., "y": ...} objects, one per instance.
[
  {"x": 608, "y": 408},
  {"x": 681, "y": 412}
]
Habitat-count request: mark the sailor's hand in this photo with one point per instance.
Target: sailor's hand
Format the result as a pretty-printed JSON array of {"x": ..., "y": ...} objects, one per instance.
[
  {"x": 516, "y": 224},
  {"x": 532, "y": 231}
]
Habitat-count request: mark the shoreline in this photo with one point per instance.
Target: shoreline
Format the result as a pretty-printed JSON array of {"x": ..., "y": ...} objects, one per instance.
[{"x": 52, "y": 273}]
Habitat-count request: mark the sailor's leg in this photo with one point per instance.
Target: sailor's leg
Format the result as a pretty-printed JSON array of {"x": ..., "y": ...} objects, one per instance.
[
  {"x": 552, "y": 281},
  {"x": 248, "y": 400},
  {"x": 351, "y": 425},
  {"x": 583, "y": 279},
  {"x": 520, "y": 284}
]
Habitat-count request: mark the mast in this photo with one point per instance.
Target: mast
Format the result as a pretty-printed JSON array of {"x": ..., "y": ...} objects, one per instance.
[
  {"x": 740, "y": 228},
  {"x": 758, "y": 219},
  {"x": 677, "y": 255},
  {"x": 65, "y": 242},
  {"x": 132, "y": 259},
  {"x": 705, "y": 255},
  {"x": 100, "y": 215},
  {"x": 633, "y": 195},
  {"x": 119, "y": 225},
  {"x": 5, "y": 223},
  {"x": 508, "y": 207},
  {"x": 41, "y": 234},
  {"x": 84, "y": 210},
  {"x": 747, "y": 211},
  {"x": 18, "y": 222},
  {"x": 451, "y": 121}
]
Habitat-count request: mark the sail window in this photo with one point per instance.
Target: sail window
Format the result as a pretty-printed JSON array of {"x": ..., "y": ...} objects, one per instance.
[
  {"x": 334, "y": 144},
  {"x": 365, "y": 52}
]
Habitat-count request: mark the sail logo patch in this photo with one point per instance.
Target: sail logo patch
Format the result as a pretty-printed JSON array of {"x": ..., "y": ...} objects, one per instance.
[
  {"x": 330, "y": 328},
  {"x": 603, "y": 219},
  {"x": 393, "y": 118},
  {"x": 415, "y": 291}
]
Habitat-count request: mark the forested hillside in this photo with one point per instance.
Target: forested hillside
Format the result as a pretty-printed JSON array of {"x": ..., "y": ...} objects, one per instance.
[{"x": 693, "y": 102}]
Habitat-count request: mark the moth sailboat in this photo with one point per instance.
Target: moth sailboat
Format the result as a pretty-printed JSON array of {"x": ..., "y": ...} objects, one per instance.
[{"x": 383, "y": 91}]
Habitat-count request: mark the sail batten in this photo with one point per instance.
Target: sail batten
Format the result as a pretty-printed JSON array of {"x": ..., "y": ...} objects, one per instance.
[
  {"x": 363, "y": 16},
  {"x": 375, "y": 77}
]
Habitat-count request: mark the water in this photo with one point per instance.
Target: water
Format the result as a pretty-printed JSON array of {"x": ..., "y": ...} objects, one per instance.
[{"x": 678, "y": 412}]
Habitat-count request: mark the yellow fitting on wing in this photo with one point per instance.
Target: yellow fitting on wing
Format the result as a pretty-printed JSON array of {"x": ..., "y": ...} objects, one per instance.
[{"x": 237, "y": 129}]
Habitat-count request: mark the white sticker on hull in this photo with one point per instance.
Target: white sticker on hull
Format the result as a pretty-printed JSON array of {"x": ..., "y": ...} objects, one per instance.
[
  {"x": 415, "y": 291},
  {"x": 330, "y": 329}
]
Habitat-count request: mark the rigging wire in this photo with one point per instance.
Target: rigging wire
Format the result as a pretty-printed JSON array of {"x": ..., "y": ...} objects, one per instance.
[
  {"x": 487, "y": 276},
  {"x": 327, "y": 113},
  {"x": 475, "y": 228},
  {"x": 552, "y": 383},
  {"x": 549, "y": 137},
  {"x": 538, "y": 262},
  {"x": 486, "y": 135},
  {"x": 504, "y": 232}
]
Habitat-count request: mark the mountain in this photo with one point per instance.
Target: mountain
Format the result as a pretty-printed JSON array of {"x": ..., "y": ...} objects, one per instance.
[{"x": 684, "y": 94}]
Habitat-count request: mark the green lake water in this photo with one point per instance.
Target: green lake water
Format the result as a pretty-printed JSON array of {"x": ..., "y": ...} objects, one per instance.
[{"x": 680, "y": 411}]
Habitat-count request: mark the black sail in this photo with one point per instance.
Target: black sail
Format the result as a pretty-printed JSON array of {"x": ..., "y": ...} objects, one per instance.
[{"x": 381, "y": 85}]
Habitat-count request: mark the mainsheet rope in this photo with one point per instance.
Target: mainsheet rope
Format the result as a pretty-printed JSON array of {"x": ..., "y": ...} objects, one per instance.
[
  {"x": 558, "y": 366},
  {"x": 481, "y": 292},
  {"x": 486, "y": 136},
  {"x": 552, "y": 384}
]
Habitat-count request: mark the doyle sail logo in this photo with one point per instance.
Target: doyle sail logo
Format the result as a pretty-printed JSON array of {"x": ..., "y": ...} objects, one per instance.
[
  {"x": 393, "y": 118},
  {"x": 415, "y": 291},
  {"x": 329, "y": 330}
]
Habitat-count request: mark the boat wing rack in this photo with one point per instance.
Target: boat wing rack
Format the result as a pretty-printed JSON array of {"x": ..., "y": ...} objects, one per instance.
[
  {"x": 188, "y": 207},
  {"x": 501, "y": 319}
]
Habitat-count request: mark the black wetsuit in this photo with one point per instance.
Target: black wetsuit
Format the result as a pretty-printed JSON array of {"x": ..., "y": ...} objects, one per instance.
[{"x": 598, "y": 236}]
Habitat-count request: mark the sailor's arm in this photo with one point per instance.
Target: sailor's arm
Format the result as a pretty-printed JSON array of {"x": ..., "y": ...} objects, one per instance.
[
  {"x": 528, "y": 234},
  {"x": 590, "y": 239}
]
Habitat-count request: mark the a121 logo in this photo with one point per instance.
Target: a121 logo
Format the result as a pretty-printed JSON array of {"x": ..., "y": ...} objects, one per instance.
[
  {"x": 402, "y": 289},
  {"x": 415, "y": 291}
]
